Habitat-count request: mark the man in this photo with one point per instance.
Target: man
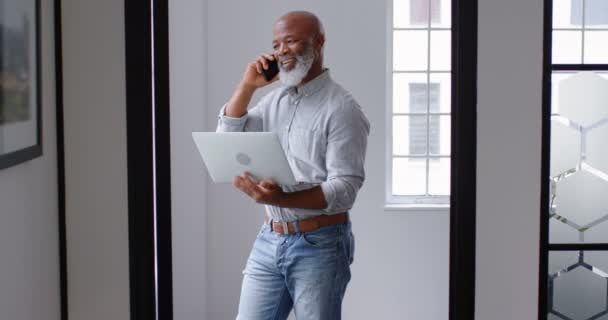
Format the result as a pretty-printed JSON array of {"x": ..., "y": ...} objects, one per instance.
[{"x": 302, "y": 254}]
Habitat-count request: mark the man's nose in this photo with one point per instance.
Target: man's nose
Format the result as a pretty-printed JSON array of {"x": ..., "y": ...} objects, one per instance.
[{"x": 283, "y": 49}]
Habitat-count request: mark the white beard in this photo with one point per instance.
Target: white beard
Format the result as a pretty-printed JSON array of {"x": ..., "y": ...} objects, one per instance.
[{"x": 294, "y": 76}]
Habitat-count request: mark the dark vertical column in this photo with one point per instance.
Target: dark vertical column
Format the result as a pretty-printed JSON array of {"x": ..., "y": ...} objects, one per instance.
[
  {"x": 464, "y": 154},
  {"x": 163, "y": 159},
  {"x": 138, "y": 47},
  {"x": 545, "y": 159},
  {"x": 63, "y": 274}
]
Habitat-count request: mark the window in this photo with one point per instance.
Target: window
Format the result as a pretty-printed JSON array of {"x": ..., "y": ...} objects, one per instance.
[
  {"x": 418, "y": 157},
  {"x": 575, "y": 207}
]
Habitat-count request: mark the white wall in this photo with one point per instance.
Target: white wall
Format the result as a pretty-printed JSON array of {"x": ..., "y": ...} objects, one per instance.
[
  {"x": 29, "y": 231},
  {"x": 188, "y": 176},
  {"x": 509, "y": 158},
  {"x": 95, "y": 159},
  {"x": 401, "y": 261}
]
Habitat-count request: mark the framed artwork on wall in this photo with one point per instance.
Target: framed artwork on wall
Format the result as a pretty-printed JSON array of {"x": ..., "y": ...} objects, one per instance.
[{"x": 20, "y": 102}]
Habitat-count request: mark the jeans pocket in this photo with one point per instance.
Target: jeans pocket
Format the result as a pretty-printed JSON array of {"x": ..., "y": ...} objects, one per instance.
[
  {"x": 265, "y": 227},
  {"x": 323, "y": 237}
]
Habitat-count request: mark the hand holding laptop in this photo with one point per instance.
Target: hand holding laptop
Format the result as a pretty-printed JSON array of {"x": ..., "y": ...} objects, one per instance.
[{"x": 229, "y": 154}]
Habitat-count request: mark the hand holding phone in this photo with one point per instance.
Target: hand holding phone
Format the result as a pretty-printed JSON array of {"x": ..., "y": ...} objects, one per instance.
[{"x": 273, "y": 69}]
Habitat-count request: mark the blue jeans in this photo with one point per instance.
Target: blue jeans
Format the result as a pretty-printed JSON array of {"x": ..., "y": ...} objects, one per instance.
[{"x": 304, "y": 271}]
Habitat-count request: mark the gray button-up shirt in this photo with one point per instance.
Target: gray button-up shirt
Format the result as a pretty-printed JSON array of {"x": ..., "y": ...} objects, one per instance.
[{"x": 323, "y": 132}]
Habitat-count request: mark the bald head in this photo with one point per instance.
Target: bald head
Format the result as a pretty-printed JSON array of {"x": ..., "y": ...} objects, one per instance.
[{"x": 306, "y": 21}]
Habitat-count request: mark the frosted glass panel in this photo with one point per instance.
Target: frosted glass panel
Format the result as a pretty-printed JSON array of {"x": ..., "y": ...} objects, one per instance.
[
  {"x": 596, "y": 46},
  {"x": 439, "y": 176},
  {"x": 564, "y": 16},
  {"x": 562, "y": 231},
  {"x": 410, "y": 50},
  {"x": 579, "y": 161},
  {"x": 441, "y": 45},
  {"x": 556, "y": 79},
  {"x": 409, "y": 176},
  {"x": 567, "y": 47},
  {"x": 565, "y": 146},
  {"x": 597, "y": 148},
  {"x": 583, "y": 98},
  {"x": 579, "y": 290}
]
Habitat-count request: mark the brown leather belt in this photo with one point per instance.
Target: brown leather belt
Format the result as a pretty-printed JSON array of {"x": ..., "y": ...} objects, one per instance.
[{"x": 308, "y": 225}]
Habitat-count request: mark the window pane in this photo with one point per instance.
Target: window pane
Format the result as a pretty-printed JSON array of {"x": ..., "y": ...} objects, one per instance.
[
  {"x": 578, "y": 289},
  {"x": 439, "y": 130},
  {"x": 409, "y": 135},
  {"x": 409, "y": 176},
  {"x": 567, "y": 47},
  {"x": 596, "y": 46},
  {"x": 401, "y": 141},
  {"x": 567, "y": 14},
  {"x": 402, "y": 95},
  {"x": 439, "y": 176},
  {"x": 441, "y": 50},
  {"x": 410, "y": 50},
  {"x": 444, "y": 80},
  {"x": 596, "y": 14},
  {"x": 442, "y": 9}
]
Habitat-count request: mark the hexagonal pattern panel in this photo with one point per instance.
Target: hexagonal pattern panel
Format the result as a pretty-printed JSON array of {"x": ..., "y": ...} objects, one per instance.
[
  {"x": 562, "y": 232},
  {"x": 597, "y": 234},
  {"x": 582, "y": 198},
  {"x": 578, "y": 285},
  {"x": 579, "y": 294},
  {"x": 583, "y": 98},
  {"x": 565, "y": 147},
  {"x": 597, "y": 147}
]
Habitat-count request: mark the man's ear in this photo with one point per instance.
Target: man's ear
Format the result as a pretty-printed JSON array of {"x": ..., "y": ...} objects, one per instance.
[{"x": 319, "y": 43}]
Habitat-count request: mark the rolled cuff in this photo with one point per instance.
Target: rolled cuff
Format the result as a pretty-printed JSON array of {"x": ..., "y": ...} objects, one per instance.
[
  {"x": 230, "y": 124},
  {"x": 340, "y": 194}
]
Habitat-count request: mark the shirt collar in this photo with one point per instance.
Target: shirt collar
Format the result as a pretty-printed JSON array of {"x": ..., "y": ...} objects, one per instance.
[{"x": 313, "y": 85}]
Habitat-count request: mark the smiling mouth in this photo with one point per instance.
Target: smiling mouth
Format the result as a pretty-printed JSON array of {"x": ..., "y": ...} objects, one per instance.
[{"x": 288, "y": 62}]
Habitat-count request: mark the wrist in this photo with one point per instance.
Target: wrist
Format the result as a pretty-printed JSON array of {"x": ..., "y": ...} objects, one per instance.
[
  {"x": 246, "y": 87},
  {"x": 283, "y": 200}
]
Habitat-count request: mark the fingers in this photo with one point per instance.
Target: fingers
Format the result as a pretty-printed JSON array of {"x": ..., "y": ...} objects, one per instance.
[
  {"x": 262, "y": 62},
  {"x": 268, "y": 184},
  {"x": 245, "y": 183}
]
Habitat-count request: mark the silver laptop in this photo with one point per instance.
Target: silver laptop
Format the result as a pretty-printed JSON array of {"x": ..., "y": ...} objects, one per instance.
[{"x": 229, "y": 154}]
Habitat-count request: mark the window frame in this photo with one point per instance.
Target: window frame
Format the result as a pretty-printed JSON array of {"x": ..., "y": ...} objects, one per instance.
[
  {"x": 439, "y": 203},
  {"x": 549, "y": 68}
]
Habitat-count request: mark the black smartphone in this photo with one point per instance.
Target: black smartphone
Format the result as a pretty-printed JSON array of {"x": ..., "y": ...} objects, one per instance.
[{"x": 273, "y": 69}]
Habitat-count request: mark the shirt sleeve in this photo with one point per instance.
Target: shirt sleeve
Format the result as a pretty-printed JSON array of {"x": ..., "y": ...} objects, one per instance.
[
  {"x": 345, "y": 157},
  {"x": 251, "y": 121}
]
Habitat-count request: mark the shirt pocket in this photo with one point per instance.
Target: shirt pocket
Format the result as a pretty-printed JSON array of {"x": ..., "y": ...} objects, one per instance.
[{"x": 307, "y": 148}]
